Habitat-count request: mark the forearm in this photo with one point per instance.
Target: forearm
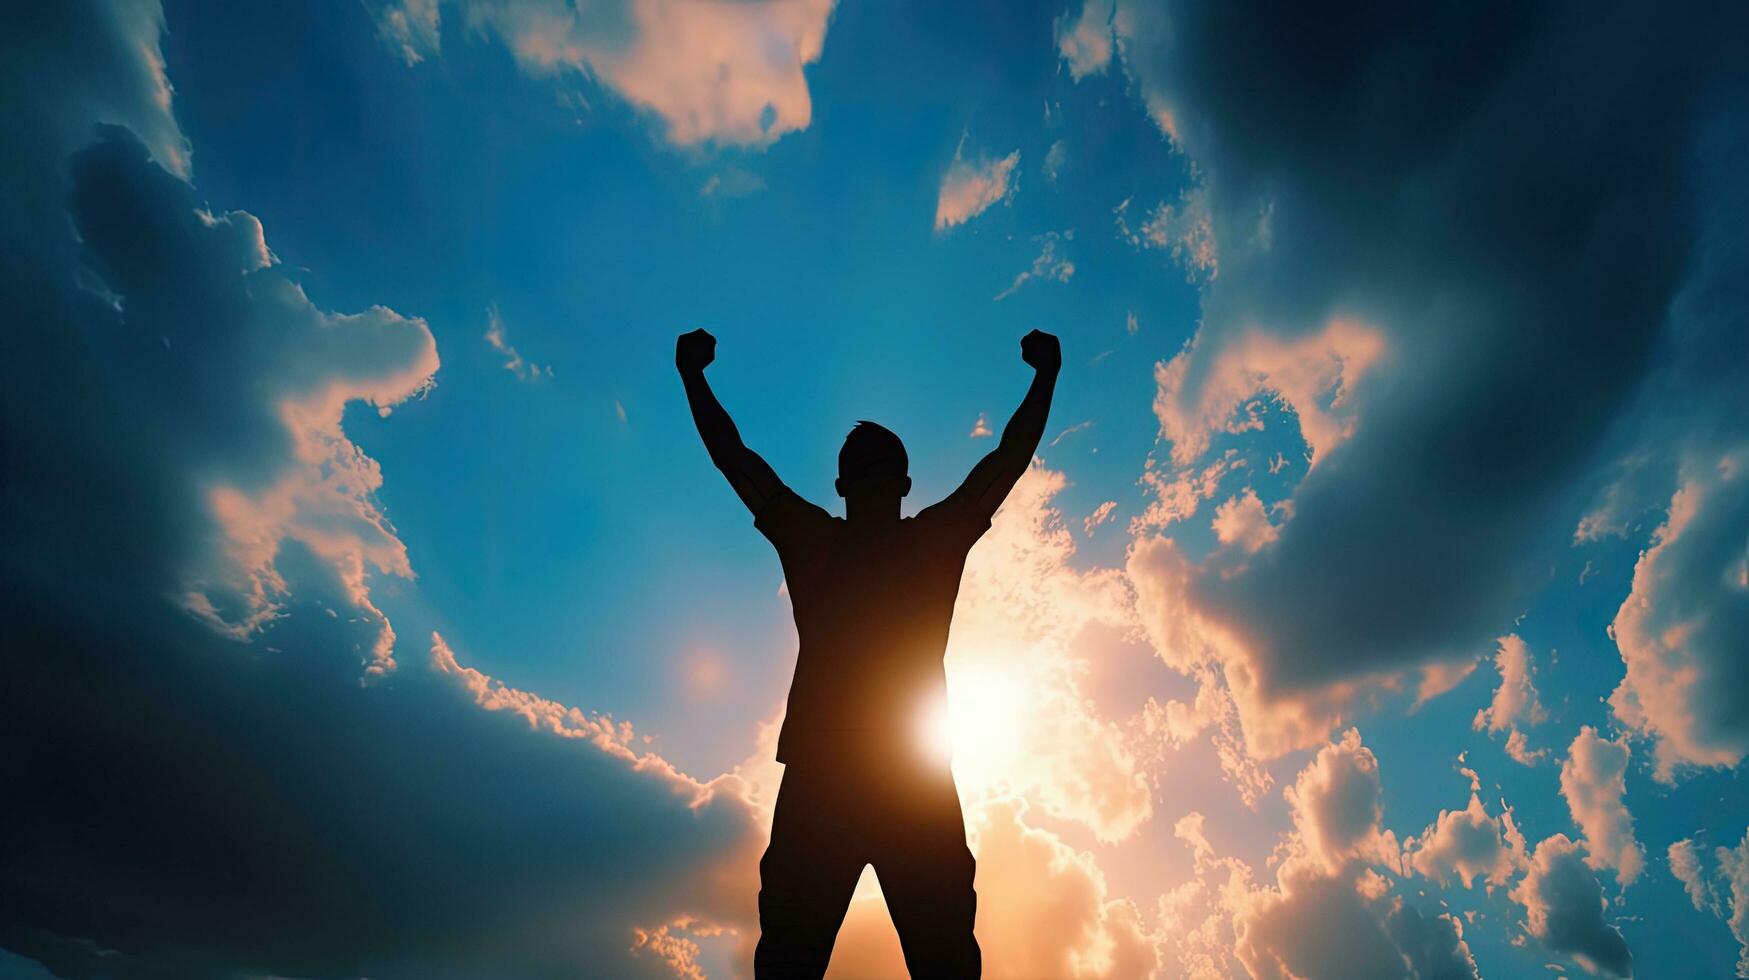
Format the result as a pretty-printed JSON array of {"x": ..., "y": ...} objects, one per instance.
[
  {"x": 721, "y": 439},
  {"x": 1020, "y": 438}
]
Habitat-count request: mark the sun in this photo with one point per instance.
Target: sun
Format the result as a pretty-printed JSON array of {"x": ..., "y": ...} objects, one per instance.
[{"x": 981, "y": 724}]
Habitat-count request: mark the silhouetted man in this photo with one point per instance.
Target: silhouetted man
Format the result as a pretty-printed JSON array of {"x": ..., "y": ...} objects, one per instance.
[{"x": 873, "y": 595}]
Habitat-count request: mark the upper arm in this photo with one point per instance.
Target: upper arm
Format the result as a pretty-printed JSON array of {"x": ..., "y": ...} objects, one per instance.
[
  {"x": 753, "y": 479},
  {"x": 989, "y": 483}
]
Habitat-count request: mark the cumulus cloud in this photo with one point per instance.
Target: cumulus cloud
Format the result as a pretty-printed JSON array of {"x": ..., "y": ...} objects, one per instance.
[
  {"x": 1330, "y": 913},
  {"x": 1016, "y": 669},
  {"x": 712, "y": 73},
  {"x": 1457, "y": 370},
  {"x": 1470, "y": 844},
  {"x": 1045, "y": 268},
  {"x": 1564, "y": 908},
  {"x": 1044, "y": 910},
  {"x": 1594, "y": 783},
  {"x": 1683, "y": 628},
  {"x": 1515, "y": 701},
  {"x": 196, "y": 806},
  {"x": 970, "y": 187},
  {"x": 1337, "y": 804}
]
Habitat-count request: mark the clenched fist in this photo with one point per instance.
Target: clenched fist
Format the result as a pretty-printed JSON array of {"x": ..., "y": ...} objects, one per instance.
[
  {"x": 693, "y": 351},
  {"x": 1042, "y": 351}
]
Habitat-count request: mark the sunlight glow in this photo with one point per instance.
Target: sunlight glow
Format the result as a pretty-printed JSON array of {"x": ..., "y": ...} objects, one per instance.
[{"x": 980, "y": 726}]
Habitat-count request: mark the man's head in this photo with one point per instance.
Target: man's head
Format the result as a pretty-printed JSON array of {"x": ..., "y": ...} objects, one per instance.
[{"x": 872, "y": 464}]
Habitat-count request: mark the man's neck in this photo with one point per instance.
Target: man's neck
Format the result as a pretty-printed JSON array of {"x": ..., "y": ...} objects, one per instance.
[{"x": 862, "y": 511}]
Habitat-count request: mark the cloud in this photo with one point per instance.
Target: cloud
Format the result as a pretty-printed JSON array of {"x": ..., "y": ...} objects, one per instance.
[
  {"x": 1734, "y": 869},
  {"x": 210, "y": 790},
  {"x": 1469, "y": 844},
  {"x": 1100, "y": 515},
  {"x": 1044, "y": 910},
  {"x": 1055, "y": 158},
  {"x": 1564, "y": 909},
  {"x": 1684, "y": 626},
  {"x": 1243, "y": 523},
  {"x": 1185, "y": 230},
  {"x": 513, "y": 361},
  {"x": 981, "y": 428},
  {"x": 1085, "y": 41},
  {"x": 1017, "y": 660},
  {"x": 1047, "y": 267},
  {"x": 1593, "y": 781},
  {"x": 1329, "y": 913},
  {"x": 1515, "y": 701},
  {"x": 969, "y": 188},
  {"x": 1685, "y": 863},
  {"x": 712, "y": 73},
  {"x": 1337, "y": 805},
  {"x": 1724, "y": 891},
  {"x": 732, "y": 182},
  {"x": 1404, "y": 286}
]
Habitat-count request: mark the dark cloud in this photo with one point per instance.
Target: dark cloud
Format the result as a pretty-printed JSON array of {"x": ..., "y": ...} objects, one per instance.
[
  {"x": 1451, "y": 239},
  {"x": 200, "y": 781}
]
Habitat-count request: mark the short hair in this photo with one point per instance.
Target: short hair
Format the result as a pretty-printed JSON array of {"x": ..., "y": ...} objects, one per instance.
[{"x": 872, "y": 450}]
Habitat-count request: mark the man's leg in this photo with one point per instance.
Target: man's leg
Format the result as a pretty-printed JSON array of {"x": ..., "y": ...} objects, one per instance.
[
  {"x": 806, "y": 877},
  {"x": 926, "y": 874}
]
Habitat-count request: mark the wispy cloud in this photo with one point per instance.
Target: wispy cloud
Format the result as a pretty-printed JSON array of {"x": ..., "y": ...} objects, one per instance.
[
  {"x": 514, "y": 362},
  {"x": 1048, "y": 266},
  {"x": 969, "y": 188}
]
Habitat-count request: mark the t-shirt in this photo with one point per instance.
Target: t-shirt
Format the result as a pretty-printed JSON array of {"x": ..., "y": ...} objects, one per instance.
[{"x": 872, "y": 606}]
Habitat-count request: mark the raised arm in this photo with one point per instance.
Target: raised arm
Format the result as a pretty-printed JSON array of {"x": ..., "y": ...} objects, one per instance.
[
  {"x": 753, "y": 479},
  {"x": 995, "y": 475}
]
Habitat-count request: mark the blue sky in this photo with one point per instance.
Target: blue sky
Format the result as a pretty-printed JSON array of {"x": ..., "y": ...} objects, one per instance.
[{"x": 1398, "y": 455}]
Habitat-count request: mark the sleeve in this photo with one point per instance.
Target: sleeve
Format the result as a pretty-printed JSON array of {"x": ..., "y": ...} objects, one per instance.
[{"x": 794, "y": 526}]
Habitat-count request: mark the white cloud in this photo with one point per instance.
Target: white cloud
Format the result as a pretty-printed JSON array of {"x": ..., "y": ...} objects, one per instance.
[
  {"x": 1185, "y": 230},
  {"x": 969, "y": 188},
  {"x": 1686, "y": 864},
  {"x": 1469, "y": 844},
  {"x": 1044, "y": 910},
  {"x": 514, "y": 362},
  {"x": 1593, "y": 781},
  {"x": 1242, "y": 522},
  {"x": 1723, "y": 892},
  {"x": 1016, "y": 672},
  {"x": 1564, "y": 909},
  {"x": 1047, "y": 267},
  {"x": 1337, "y": 803},
  {"x": 1684, "y": 626},
  {"x": 1085, "y": 41},
  {"x": 1734, "y": 869},
  {"x": 1100, "y": 515},
  {"x": 717, "y": 72},
  {"x": 981, "y": 428},
  {"x": 1515, "y": 700}
]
